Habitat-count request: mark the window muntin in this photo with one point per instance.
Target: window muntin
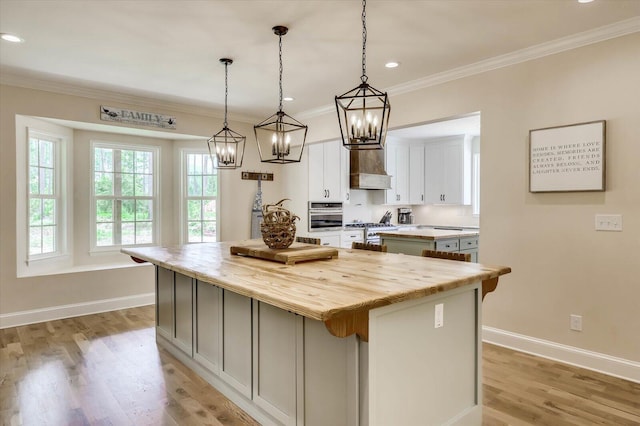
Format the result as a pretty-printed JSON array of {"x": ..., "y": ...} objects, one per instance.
[
  {"x": 124, "y": 195},
  {"x": 200, "y": 198},
  {"x": 43, "y": 196}
]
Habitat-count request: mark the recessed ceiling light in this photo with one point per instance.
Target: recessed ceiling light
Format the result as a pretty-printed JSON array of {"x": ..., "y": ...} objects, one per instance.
[
  {"x": 585, "y": 1},
  {"x": 392, "y": 64},
  {"x": 288, "y": 99},
  {"x": 11, "y": 38}
]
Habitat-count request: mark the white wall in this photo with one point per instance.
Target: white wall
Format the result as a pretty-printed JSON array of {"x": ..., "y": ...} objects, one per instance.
[
  {"x": 48, "y": 296},
  {"x": 561, "y": 266}
]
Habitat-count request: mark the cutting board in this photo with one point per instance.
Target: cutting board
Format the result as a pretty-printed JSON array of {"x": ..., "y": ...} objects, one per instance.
[{"x": 297, "y": 252}]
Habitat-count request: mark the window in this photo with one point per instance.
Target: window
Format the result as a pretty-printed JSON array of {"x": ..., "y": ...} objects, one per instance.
[
  {"x": 200, "y": 189},
  {"x": 124, "y": 197},
  {"x": 44, "y": 196}
]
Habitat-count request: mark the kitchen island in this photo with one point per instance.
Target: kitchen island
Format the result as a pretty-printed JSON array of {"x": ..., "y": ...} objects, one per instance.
[
  {"x": 414, "y": 241},
  {"x": 346, "y": 341}
]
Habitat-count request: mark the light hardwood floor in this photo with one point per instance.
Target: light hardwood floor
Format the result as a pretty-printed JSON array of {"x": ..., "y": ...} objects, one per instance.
[{"x": 106, "y": 369}]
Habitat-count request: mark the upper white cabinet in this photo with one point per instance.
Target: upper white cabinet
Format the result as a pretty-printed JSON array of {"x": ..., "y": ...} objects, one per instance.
[
  {"x": 327, "y": 164},
  {"x": 397, "y": 164},
  {"x": 416, "y": 174},
  {"x": 447, "y": 177}
]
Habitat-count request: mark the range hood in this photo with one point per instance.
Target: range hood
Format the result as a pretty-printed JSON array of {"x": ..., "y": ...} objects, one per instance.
[{"x": 367, "y": 170}]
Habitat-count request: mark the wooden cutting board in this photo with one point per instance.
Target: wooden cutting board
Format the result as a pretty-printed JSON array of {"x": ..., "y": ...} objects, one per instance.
[{"x": 297, "y": 252}]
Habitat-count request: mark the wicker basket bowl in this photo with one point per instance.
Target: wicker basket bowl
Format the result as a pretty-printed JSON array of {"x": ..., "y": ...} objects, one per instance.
[{"x": 278, "y": 226}]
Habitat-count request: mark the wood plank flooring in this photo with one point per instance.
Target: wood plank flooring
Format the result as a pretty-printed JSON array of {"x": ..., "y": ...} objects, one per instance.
[{"x": 106, "y": 369}]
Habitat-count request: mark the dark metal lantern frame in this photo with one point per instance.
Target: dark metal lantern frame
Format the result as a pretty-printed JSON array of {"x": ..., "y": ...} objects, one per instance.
[
  {"x": 363, "y": 112},
  {"x": 228, "y": 146},
  {"x": 280, "y": 138}
]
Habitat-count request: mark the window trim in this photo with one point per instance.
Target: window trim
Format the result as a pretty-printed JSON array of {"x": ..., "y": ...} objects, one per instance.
[
  {"x": 94, "y": 249},
  {"x": 30, "y": 265},
  {"x": 60, "y": 195},
  {"x": 183, "y": 215}
]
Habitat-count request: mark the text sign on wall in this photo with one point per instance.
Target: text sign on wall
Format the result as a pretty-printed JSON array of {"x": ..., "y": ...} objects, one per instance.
[
  {"x": 141, "y": 118},
  {"x": 567, "y": 158}
]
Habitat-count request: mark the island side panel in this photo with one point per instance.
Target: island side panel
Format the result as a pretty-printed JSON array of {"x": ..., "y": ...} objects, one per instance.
[
  {"x": 331, "y": 377},
  {"x": 237, "y": 342},
  {"x": 419, "y": 374}
]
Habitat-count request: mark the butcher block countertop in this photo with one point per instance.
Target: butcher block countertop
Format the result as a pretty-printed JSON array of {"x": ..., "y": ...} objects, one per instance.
[
  {"x": 355, "y": 281},
  {"x": 429, "y": 234}
]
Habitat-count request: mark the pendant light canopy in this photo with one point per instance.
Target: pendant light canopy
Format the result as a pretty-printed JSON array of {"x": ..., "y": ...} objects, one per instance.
[
  {"x": 228, "y": 145},
  {"x": 363, "y": 112},
  {"x": 280, "y": 138}
]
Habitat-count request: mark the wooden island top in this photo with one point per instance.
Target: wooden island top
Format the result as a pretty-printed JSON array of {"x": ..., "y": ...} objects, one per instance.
[
  {"x": 430, "y": 234},
  {"x": 326, "y": 290}
]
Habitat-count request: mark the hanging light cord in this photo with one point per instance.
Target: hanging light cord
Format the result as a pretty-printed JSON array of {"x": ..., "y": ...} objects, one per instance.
[
  {"x": 280, "y": 57},
  {"x": 226, "y": 92},
  {"x": 364, "y": 41}
]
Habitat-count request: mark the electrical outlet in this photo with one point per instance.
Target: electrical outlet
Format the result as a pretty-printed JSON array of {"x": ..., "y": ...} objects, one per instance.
[
  {"x": 439, "y": 316},
  {"x": 609, "y": 222},
  {"x": 576, "y": 322}
]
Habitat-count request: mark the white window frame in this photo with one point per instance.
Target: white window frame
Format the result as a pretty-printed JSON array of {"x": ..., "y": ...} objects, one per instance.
[
  {"x": 184, "y": 197},
  {"x": 156, "y": 220},
  {"x": 59, "y": 195},
  {"x": 26, "y": 264}
]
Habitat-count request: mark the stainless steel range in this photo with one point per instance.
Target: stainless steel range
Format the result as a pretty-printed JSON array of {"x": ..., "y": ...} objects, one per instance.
[{"x": 370, "y": 230}]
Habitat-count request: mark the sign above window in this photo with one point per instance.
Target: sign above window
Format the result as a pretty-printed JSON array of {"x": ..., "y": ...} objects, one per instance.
[{"x": 140, "y": 118}]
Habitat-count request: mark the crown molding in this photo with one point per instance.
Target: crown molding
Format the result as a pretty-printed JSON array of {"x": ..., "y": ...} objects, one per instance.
[
  {"x": 37, "y": 81},
  {"x": 13, "y": 77},
  {"x": 563, "y": 44}
]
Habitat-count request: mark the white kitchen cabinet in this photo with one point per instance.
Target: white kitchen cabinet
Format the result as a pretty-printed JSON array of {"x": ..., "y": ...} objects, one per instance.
[
  {"x": 326, "y": 169},
  {"x": 330, "y": 240},
  {"x": 351, "y": 236},
  {"x": 448, "y": 171},
  {"x": 397, "y": 164},
  {"x": 416, "y": 174}
]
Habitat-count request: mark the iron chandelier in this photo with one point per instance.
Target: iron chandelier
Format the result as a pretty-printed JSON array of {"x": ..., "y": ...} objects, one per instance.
[
  {"x": 363, "y": 112},
  {"x": 228, "y": 145},
  {"x": 280, "y": 138}
]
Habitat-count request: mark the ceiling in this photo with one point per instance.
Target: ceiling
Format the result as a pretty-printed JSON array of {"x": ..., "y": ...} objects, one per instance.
[{"x": 169, "y": 50}]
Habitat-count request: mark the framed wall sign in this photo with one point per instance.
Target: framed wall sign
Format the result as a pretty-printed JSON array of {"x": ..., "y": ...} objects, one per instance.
[{"x": 567, "y": 158}]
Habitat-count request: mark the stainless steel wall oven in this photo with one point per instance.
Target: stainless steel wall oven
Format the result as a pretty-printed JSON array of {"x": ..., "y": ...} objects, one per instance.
[{"x": 325, "y": 216}]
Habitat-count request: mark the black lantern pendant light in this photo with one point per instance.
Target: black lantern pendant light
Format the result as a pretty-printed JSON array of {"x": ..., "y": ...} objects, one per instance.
[
  {"x": 280, "y": 138},
  {"x": 363, "y": 112},
  {"x": 228, "y": 145}
]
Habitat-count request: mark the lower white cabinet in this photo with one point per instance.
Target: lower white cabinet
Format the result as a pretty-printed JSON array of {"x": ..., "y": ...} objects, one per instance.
[
  {"x": 164, "y": 302},
  {"x": 207, "y": 348},
  {"x": 277, "y": 364},
  {"x": 236, "y": 341},
  {"x": 282, "y": 368}
]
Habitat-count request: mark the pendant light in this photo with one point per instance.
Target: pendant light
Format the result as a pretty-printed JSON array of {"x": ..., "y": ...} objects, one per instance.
[
  {"x": 363, "y": 112},
  {"x": 228, "y": 146},
  {"x": 280, "y": 138}
]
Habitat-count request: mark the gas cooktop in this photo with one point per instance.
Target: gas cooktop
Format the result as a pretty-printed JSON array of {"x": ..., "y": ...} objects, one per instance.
[{"x": 369, "y": 225}]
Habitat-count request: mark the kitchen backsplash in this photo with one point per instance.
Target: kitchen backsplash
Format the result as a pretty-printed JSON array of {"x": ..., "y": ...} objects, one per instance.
[{"x": 365, "y": 206}]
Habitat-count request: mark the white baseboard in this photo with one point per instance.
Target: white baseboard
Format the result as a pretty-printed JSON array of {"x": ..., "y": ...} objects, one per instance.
[
  {"x": 606, "y": 364},
  {"x": 15, "y": 319}
]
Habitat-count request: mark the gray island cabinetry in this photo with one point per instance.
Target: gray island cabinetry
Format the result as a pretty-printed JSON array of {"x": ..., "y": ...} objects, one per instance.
[
  {"x": 414, "y": 241},
  {"x": 345, "y": 341}
]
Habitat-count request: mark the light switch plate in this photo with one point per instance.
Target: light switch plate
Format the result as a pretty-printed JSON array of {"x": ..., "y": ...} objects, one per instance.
[{"x": 609, "y": 222}]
